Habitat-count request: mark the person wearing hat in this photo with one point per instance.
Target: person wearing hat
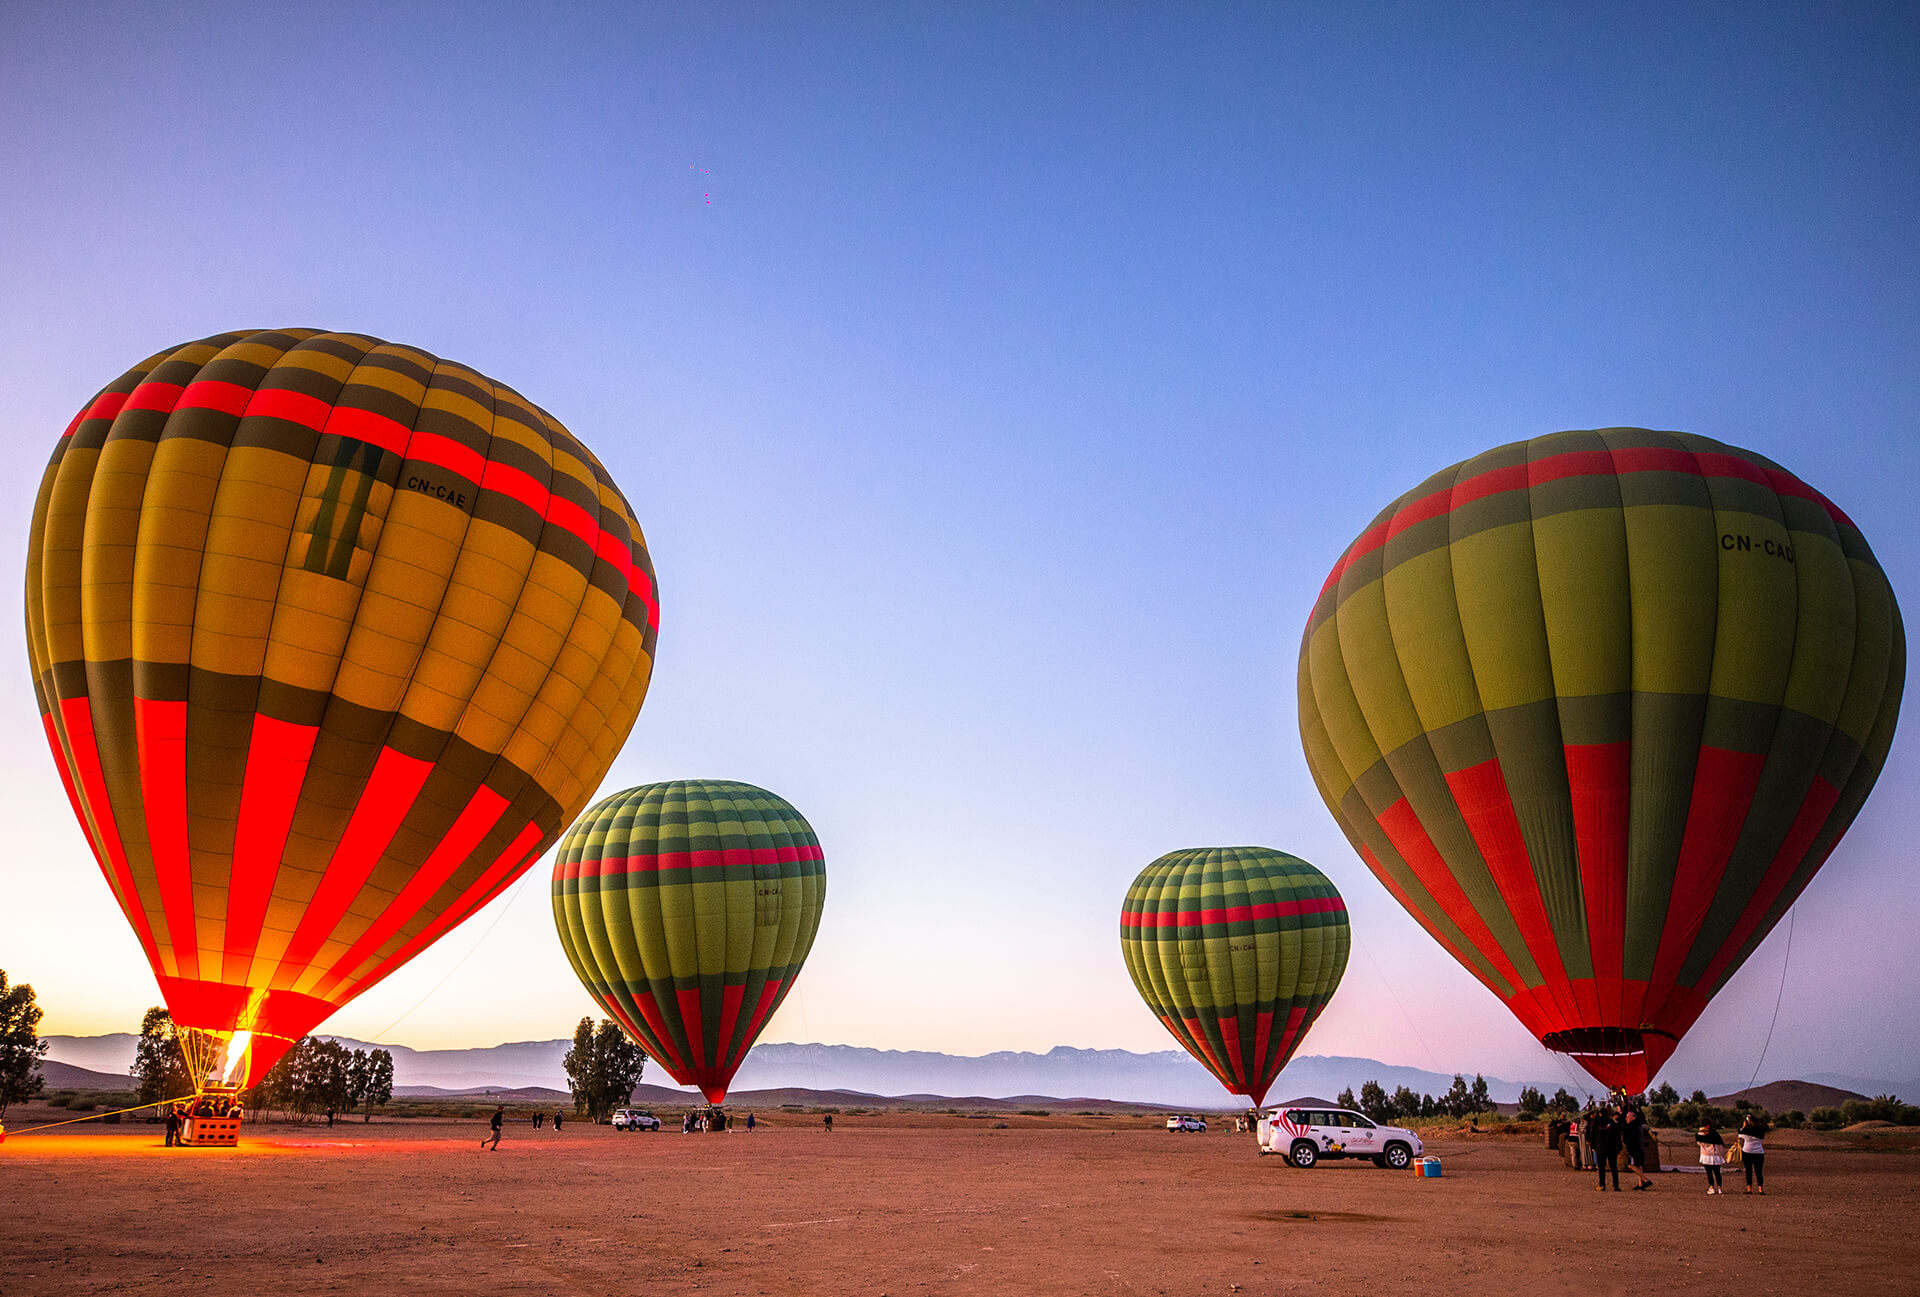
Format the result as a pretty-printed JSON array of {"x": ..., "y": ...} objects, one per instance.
[{"x": 1713, "y": 1156}]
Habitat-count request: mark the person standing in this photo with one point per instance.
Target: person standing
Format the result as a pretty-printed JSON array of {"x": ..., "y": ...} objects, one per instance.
[
  {"x": 1713, "y": 1156},
  {"x": 1633, "y": 1137},
  {"x": 499, "y": 1117},
  {"x": 329, "y": 1119},
  {"x": 826, "y": 1122},
  {"x": 749, "y": 1123},
  {"x": 1603, "y": 1142},
  {"x": 1753, "y": 1151},
  {"x": 173, "y": 1124},
  {"x": 556, "y": 1120}
]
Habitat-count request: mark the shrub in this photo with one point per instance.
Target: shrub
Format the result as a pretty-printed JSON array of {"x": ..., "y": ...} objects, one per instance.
[
  {"x": 1825, "y": 1119},
  {"x": 1793, "y": 1117},
  {"x": 82, "y": 1105},
  {"x": 59, "y": 1101}
]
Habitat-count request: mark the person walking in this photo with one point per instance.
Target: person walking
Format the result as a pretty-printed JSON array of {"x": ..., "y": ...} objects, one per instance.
[
  {"x": 826, "y": 1122},
  {"x": 499, "y": 1118},
  {"x": 749, "y": 1123},
  {"x": 1753, "y": 1152},
  {"x": 1713, "y": 1156},
  {"x": 1603, "y": 1141},
  {"x": 1633, "y": 1137}
]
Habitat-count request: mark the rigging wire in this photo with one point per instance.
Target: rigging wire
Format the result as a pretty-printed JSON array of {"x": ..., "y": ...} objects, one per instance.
[
  {"x": 379, "y": 1037},
  {"x": 1778, "y": 997}
]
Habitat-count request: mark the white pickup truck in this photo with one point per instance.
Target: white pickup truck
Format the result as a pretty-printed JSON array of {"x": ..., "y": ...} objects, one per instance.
[{"x": 1305, "y": 1135}]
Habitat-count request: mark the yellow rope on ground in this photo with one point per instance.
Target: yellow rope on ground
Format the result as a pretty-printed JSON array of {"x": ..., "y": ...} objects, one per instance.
[{"x": 95, "y": 1116}]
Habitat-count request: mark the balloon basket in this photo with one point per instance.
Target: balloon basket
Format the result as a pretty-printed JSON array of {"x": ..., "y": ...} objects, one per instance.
[{"x": 211, "y": 1132}]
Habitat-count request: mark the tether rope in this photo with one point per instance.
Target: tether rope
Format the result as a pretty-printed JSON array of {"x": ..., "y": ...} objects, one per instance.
[{"x": 96, "y": 1116}]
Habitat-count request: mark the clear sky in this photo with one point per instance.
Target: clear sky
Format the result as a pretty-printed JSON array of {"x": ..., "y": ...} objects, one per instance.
[{"x": 996, "y": 385}]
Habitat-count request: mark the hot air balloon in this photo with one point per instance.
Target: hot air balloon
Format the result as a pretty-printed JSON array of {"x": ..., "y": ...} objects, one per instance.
[
  {"x": 1594, "y": 707},
  {"x": 1236, "y": 950},
  {"x": 331, "y": 639},
  {"x": 687, "y": 909}
]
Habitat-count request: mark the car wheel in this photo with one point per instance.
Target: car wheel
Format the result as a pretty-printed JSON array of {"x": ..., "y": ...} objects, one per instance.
[
  {"x": 1397, "y": 1156},
  {"x": 1303, "y": 1154}
]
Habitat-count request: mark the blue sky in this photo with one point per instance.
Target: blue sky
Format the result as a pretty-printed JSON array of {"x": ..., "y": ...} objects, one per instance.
[{"x": 996, "y": 385}]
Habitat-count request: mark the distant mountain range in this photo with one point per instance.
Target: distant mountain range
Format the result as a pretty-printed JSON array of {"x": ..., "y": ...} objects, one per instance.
[{"x": 1162, "y": 1078}]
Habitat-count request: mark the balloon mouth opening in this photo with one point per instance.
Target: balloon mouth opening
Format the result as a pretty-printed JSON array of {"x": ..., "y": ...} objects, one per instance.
[{"x": 1605, "y": 1042}]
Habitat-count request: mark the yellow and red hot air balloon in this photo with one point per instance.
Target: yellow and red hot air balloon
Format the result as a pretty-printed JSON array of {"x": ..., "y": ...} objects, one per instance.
[
  {"x": 332, "y": 638},
  {"x": 1594, "y": 708}
]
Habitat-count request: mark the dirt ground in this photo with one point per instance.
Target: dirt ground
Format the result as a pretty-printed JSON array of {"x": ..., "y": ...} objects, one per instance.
[{"x": 918, "y": 1205}]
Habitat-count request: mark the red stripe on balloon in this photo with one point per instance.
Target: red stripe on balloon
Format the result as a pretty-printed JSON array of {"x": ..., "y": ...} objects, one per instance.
[
  {"x": 710, "y": 858},
  {"x": 155, "y": 396},
  {"x": 1597, "y": 782},
  {"x": 1812, "y": 816},
  {"x": 1486, "y": 804},
  {"x": 1409, "y": 837},
  {"x": 1233, "y": 913},
  {"x": 1578, "y": 463},
  {"x": 769, "y": 996},
  {"x": 212, "y": 394},
  {"x": 160, "y": 741},
  {"x": 506, "y": 867},
  {"x": 673, "y": 1062},
  {"x": 482, "y": 811},
  {"x": 291, "y": 407},
  {"x": 278, "y": 753},
  {"x": 689, "y": 1000},
  {"x": 389, "y": 794},
  {"x": 1723, "y": 787},
  {"x": 1432, "y": 929},
  {"x": 76, "y": 715},
  {"x": 106, "y": 405}
]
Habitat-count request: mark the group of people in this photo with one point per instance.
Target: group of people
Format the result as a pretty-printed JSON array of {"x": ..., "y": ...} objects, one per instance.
[
  {"x": 1753, "y": 1154},
  {"x": 500, "y": 1119},
  {"x": 1609, "y": 1131},
  {"x": 710, "y": 1119}
]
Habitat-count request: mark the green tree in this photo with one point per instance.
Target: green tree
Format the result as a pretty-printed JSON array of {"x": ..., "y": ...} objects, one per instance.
[
  {"x": 1532, "y": 1102},
  {"x": 1458, "y": 1100},
  {"x": 1564, "y": 1102},
  {"x": 602, "y": 1068},
  {"x": 1698, "y": 1096},
  {"x": 1665, "y": 1094},
  {"x": 1345, "y": 1098},
  {"x": 159, "y": 1068},
  {"x": 1429, "y": 1106},
  {"x": 1481, "y": 1100},
  {"x": 369, "y": 1080},
  {"x": 1374, "y": 1101},
  {"x": 1404, "y": 1103},
  {"x": 20, "y": 1045}
]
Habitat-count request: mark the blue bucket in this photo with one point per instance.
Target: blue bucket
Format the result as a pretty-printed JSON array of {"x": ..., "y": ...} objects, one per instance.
[{"x": 1430, "y": 1168}]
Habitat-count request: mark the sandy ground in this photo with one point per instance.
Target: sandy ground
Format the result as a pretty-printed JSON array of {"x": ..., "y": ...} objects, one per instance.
[{"x": 913, "y": 1205}]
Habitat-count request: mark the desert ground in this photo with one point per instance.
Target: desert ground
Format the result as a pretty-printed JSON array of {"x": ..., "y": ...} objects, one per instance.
[{"x": 914, "y": 1205}]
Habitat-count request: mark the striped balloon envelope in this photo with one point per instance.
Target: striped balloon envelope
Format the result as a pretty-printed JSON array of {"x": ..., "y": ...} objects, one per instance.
[
  {"x": 1236, "y": 950},
  {"x": 1594, "y": 707},
  {"x": 332, "y": 638},
  {"x": 687, "y": 909}
]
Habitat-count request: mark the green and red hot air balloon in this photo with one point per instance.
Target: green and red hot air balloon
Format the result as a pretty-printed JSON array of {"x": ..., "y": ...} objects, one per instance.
[
  {"x": 1594, "y": 708},
  {"x": 687, "y": 909},
  {"x": 1236, "y": 950}
]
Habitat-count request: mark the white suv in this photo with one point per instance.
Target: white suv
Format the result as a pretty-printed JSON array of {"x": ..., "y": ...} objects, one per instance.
[
  {"x": 634, "y": 1119},
  {"x": 1305, "y": 1135},
  {"x": 1186, "y": 1123}
]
